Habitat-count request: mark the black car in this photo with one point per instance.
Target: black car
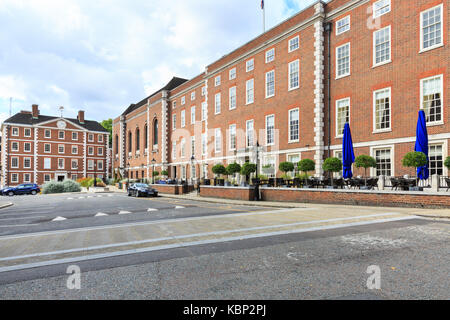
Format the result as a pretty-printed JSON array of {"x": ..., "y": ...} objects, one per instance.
[
  {"x": 27, "y": 188},
  {"x": 141, "y": 189}
]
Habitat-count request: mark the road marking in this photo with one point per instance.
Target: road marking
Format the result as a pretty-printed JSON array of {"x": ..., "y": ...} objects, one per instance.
[
  {"x": 181, "y": 245},
  {"x": 101, "y": 214},
  {"x": 19, "y": 225},
  {"x": 179, "y": 207},
  {"x": 124, "y": 212},
  {"x": 23, "y": 218},
  {"x": 151, "y": 210},
  {"x": 99, "y": 196},
  {"x": 59, "y": 219},
  {"x": 81, "y": 198},
  {"x": 37, "y": 234},
  {"x": 69, "y": 198}
]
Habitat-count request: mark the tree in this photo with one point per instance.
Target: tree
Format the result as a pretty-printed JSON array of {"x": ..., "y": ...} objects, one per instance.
[
  {"x": 364, "y": 161},
  {"x": 332, "y": 165},
  {"x": 219, "y": 170},
  {"x": 247, "y": 169},
  {"x": 306, "y": 165},
  {"x": 107, "y": 124},
  {"x": 414, "y": 160},
  {"x": 286, "y": 167},
  {"x": 164, "y": 173},
  {"x": 233, "y": 168},
  {"x": 447, "y": 163}
]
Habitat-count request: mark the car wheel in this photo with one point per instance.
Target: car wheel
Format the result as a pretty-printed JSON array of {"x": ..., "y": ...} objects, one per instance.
[
  {"x": 34, "y": 192},
  {"x": 137, "y": 194},
  {"x": 10, "y": 193}
]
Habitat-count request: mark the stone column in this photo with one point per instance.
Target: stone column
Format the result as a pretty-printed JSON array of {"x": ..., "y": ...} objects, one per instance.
[{"x": 435, "y": 182}]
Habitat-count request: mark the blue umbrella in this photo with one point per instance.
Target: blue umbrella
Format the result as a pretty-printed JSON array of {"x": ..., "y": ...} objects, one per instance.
[
  {"x": 422, "y": 144},
  {"x": 348, "y": 156}
]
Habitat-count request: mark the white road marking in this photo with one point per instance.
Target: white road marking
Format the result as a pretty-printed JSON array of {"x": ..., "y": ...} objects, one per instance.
[
  {"x": 99, "y": 196},
  {"x": 69, "y": 198},
  {"x": 37, "y": 234},
  {"x": 81, "y": 198},
  {"x": 179, "y": 207},
  {"x": 101, "y": 214},
  {"x": 175, "y": 245},
  {"x": 151, "y": 210},
  {"x": 59, "y": 219},
  {"x": 124, "y": 212},
  {"x": 23, "y": 218}
]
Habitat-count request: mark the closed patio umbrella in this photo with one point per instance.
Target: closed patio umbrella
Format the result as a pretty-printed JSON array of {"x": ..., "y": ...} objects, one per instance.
[
  {"x": 422, "y": 144},
  {"x": 348, "y": 156}
]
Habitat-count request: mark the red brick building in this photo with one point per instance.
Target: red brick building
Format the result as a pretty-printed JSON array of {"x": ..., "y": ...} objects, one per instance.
[
  {"x": 38, "y": 148},
  {"x": 373, "y": 64}
]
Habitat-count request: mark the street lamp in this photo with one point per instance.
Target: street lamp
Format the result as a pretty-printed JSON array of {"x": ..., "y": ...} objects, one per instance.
[
  {"x": 95, "y": 174},
  {"x": 153, "y": 170},
  {"x": 128, "y": 174},
  {"x": 142, "y": 169},
  {"x": 257, "y": 198},
  {"x": 192, "y": 168}
]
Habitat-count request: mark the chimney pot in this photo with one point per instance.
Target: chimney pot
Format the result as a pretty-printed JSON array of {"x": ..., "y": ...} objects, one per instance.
[
  {"x": 35, "y": 111},
  {"x": 81, "y": 116}
]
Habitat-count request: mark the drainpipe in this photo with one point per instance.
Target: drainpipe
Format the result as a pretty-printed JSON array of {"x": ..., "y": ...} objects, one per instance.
[{"x": 328, "y": 29}]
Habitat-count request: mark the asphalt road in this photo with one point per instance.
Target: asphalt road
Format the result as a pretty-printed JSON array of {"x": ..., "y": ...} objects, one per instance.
[
  {"x": 413, "y": 256},
  {"x": 37, "y": 213}
]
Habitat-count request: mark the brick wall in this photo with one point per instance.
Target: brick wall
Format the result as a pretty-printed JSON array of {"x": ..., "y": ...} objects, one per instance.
[{"x": 246, "y": 194}]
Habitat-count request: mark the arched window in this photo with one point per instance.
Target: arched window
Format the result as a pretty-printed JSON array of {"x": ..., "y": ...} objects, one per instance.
[
  {"x": 116, "y": 144},
  {"x": 155, "y": 132},
  {"x": 130, "y": 141},
  {"x": 138, "y": 139},
  {"x": 146, "y": 136}
]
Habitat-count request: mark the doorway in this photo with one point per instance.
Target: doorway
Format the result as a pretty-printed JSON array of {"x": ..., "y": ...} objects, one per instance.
[{"x": 61, "y": 178}]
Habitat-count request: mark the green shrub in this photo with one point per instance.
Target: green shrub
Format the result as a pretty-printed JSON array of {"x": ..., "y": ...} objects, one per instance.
[
  {"x": 53, "y": 187},
  {"x": 71, "y": 186},
  {"x": 332, "y": 165},
  {"x": 366, "y": 162},
  {"x": 414, "y": 159}
]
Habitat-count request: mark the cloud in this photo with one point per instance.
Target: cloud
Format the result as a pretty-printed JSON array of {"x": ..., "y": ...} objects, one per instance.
[{"x": 102, "y": 55}]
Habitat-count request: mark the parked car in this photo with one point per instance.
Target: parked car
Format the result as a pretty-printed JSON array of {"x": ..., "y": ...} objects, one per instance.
[
  {"x": 141, "y": 189},
  {"x": 27, "y": 188}
]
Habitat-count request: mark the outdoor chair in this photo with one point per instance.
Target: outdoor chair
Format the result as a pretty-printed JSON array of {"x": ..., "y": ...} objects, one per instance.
[
  {"x": 372, "y": 183},
  {"x": 339, "y": 183},
  {"x": 447, "y": 180},
  {"x": 280, "y": 182},
  {"x": 297, "y": 182},
  {"x": 271, "y": 182},
  {"x": 395, "y": 183}
]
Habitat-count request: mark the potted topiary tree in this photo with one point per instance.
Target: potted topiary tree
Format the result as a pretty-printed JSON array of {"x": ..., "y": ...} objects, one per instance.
[
  {"x": 366, "y": 162},
  {"x": 415, "y": 160},
  {"x": 447, "y": 164},
  {"x": 219, "y": 170},
  {"x": 232, "y": 169},
  {"x": 332, "y": 165},
  {"x": 247, "y": 169},
  {"x": 286, "y": 167},
  {"x": 306, "y": 165}
]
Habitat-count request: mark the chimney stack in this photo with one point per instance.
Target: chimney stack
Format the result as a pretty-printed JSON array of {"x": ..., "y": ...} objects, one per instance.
[
  {"x": 81, "y": 116},
  {"x": 35, "y": 111}
]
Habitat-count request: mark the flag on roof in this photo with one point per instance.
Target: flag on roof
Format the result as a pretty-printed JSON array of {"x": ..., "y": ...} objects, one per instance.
[{"x": 262, "y": 4}]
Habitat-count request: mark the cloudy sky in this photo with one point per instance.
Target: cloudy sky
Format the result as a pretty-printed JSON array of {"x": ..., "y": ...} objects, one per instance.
[{"x": 102, "y": 55}]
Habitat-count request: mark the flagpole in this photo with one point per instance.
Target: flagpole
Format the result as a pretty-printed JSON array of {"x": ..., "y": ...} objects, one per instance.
[{"x": 264, "y": 16}]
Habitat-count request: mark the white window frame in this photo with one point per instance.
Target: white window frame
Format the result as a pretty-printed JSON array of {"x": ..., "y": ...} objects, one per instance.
[
  {"x": 63, "y": 163},
  {"x": 349, "y": 61},
  {"x": 340, "y": 134},
  {"x": 100, "y": 138},
  {"x": 174, "y": 150},
  {"x": 298, "y": 74},
  {"x": 50, "y": 149},
  {"x": 248, "y": 131},
  {"x": 290, "y": 44},
  {"x": 232, "y": 74},
  {"x": 441, "y": 76},
  {"x": 72, "y": 162},
  {"x": 273, "y": 130},
  {"x": 47, "y": 163},
  {"x": 217, "y": 103},
  {"x": 232, "y": 136},
  {"x": 99, "y": 165},
  {"x": 250, "y": 65},
  {"x": 91, "y": 165},
  {"x": 12, "y": 162},
  {"x": 375, "y": 12},
  {"x": 14, "y": 149},
  {"x": 348, "y": 24},
  {"x": 193, "y": 115},
  {"x": 203, "y": 91},
  {"x": 374, "y": 48},
  {"x": 247, "y": 90},
  {"x": 217, "y": 141},
  {"x": 183, "y": 148},
  {"x": 16, "y": 175},
  {"x": 27, "y": 178},
  {"x": 100, "y": 151},
  {"x": 270, "y": 55},
  {"x": 217, "y": 81},
  {"x": 16, "y": 130},
  {"x": 183, "y": 100},
  {"x": 74, "y": 136},
  {"x": 192, "y": 95},
  {"x": 373, "y": 150},
  {"x": 192, "y": 146},
  {"x": 183, "y": 118},
  {"x": 444, "y": 145},
  {"x": 75, "y": 148},
  {"x": 174, "y": 122},
  {"x": 204, "y": 110},
  {"x": 63, "y": 149},
  {"x": 174, "y": 105},
  {"x": 438, "y": 45},
  {"x": 290, "y": 140},
  {"x": 232, "y": 105},
  {"x": 89, "y": 151},
  {"x": 49, "y": 134},
  {"x": 63, "y": 135},
  {"x": 90, "y": 137},
  {"x": 25, "y": 132},
  {"x": 267, "y": 83},
  {"x": 375, "y": 130},
  {"x": 47, "y": 178},
  {"x": 25, "y": 147},
  {"x": 204, "y": 144}
]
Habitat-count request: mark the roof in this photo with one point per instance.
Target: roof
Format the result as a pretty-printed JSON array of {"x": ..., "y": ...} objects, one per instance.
[
  {"x": 175, "y": 82},
  {"x": 27, "y": 118}
]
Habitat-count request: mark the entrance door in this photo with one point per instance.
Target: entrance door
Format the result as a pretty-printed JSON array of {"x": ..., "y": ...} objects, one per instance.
[{"x": 61, "y": 178}]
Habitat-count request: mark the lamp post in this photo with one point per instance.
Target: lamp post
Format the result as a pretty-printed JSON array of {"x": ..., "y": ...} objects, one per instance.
[
  {"x": 192, "y": 168},
  {"x": 128, "y": 174},
  {"x": 142, "y": 169},
  {"x": 257, "y": 197},
  {"x": 153, "y": 170},
  {"x": 95, "y": 174}
]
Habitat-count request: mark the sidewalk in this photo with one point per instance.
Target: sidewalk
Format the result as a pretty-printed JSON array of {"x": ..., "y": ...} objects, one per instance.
[
  {"x": 5, "y": 204},
  {"x": 430, "y": 213}
]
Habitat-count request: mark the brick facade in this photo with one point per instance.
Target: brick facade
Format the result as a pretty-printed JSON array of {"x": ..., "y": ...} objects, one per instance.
[
  {"x": 37, "y": 148},
  {"x": 396, "y": 86}
]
